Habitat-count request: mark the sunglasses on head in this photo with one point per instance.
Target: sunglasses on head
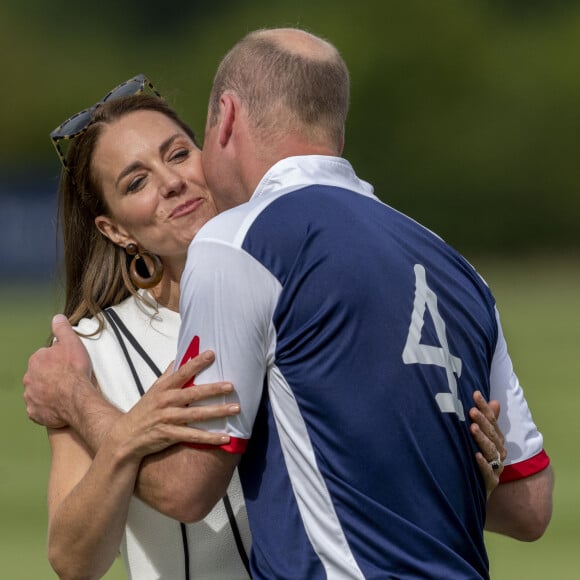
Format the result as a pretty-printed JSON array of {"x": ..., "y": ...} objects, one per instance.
[{"x": 79, "y": 122}]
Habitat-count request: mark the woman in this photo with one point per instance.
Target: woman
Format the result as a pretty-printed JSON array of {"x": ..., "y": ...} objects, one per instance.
[
  {"x": 133, "y": 191},
  {"x": 159, "y": 205}
]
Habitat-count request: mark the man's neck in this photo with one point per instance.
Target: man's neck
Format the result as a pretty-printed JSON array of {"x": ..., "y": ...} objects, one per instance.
[{"x": 268, "y": 154}]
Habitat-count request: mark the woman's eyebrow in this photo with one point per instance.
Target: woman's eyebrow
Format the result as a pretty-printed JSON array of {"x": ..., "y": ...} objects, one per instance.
[
  {"x": 167, "y": 143},
  {"x": 163, "y": 148},
  {"x": 130, "y": 168}
]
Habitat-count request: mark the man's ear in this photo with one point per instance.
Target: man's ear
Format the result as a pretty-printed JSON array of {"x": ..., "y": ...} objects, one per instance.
[
  {"x": 229, "y": 107},
  {"x": 111, "y": 230}
]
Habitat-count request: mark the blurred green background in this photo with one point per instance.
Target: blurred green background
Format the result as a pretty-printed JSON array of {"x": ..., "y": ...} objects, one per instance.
[{"x": 464, "y": 114}]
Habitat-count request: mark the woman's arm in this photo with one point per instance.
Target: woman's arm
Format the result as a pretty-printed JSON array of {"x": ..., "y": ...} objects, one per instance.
[
  {"x": 87, "y": 505},
  {"x": 89, "y": 499}
]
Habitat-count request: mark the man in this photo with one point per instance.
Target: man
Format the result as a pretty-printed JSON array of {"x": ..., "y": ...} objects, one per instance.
[
  {"x": 371, "y": 336},
  {"x": 367, "y": 331}
]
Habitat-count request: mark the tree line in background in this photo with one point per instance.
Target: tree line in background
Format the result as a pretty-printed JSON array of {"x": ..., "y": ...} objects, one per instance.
[{"x": 464, "y": 113}]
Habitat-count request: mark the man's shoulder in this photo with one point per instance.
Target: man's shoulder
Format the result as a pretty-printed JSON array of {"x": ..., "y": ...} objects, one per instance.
[{"x": 222, "y": 224}]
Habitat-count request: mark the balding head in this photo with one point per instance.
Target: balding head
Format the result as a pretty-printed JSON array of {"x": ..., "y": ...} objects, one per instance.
[
  {"x": 298, "y": 42},
  {"x": 289, "y": 81}
]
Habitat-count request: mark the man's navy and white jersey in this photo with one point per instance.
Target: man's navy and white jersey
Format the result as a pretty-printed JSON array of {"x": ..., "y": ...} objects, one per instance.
[{"x": 355, "y": 339}]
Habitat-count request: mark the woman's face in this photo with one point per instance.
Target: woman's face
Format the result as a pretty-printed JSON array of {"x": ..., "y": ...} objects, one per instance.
[{"x": 153, "y": 183}]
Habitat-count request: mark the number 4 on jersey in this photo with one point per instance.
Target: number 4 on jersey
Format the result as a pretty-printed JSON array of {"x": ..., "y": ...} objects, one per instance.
[{"x": 417, "y": 353}]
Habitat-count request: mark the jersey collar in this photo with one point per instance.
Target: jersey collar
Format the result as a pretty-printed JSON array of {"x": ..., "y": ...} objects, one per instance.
[{"x": 297, "y": 172}]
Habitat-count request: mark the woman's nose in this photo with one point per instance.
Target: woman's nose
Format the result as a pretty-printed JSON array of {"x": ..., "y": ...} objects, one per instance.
[{"x": 172, "y": 183}]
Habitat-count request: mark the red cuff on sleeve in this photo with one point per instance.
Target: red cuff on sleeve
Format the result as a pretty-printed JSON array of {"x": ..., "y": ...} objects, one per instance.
[
  {"x": 525, "y": 468},
  {"x": 235, "y": 445}
]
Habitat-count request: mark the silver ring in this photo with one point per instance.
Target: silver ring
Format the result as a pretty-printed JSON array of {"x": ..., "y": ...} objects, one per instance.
[{"x": 496, "y": 463}]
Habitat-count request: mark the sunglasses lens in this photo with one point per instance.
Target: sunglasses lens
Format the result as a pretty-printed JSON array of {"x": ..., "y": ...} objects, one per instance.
[
  {"x": 131, "y": 87},
  {"x": 74, "y": 125}
]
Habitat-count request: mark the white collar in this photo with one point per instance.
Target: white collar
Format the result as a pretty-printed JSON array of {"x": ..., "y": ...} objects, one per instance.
[{"x": 301, "y": 171}]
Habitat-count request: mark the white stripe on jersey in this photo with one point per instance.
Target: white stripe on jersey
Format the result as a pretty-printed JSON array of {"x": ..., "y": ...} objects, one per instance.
[{"x": 325, "y": 532}]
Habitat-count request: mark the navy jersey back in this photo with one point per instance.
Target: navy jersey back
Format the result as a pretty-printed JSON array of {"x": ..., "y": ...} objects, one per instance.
[{"x": 383, "y": 334}]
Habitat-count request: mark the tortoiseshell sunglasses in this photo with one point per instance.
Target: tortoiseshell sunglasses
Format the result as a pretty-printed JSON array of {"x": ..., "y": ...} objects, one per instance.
[{"x": 79, "y": 122}]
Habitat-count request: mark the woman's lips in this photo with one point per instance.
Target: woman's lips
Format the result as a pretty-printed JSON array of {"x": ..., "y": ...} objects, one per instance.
[{"x": 186, "y": 208}]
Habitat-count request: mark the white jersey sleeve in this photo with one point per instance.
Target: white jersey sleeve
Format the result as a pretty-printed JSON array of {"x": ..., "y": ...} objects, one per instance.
[
  {"x": 227, "y": 301},
  {"x": 524, "y": 443}
]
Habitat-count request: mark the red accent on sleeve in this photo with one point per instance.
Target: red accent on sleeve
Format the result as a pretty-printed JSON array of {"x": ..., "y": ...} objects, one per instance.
[
  {"x": 525, "y": 468},
  {"x": 235, "y": 445},
  {"x": 191, "y": 352}
]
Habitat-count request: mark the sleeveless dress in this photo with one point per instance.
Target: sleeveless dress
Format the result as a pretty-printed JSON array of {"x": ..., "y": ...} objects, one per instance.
[{"x": 155, "y": 546}]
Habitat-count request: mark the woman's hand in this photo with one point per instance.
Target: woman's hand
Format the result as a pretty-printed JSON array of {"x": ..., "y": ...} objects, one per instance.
[
  {"x": 490, "y": 440},
  {"x": 161, "y": 418}
]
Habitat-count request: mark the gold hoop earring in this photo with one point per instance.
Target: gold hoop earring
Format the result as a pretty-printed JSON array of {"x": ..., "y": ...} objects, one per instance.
[{"x": 151, "y": 263}]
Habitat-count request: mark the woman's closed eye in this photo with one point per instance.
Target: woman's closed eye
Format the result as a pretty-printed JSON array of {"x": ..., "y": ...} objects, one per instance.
[
  {"x": 135, "y": 184},
  {"x": 179, "y": 155}
]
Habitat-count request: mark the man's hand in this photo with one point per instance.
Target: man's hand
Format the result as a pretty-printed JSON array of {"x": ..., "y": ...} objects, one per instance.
[{"x": 56, "y": 374}]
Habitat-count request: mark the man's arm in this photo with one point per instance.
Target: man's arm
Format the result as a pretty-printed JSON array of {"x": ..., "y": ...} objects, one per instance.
[
  {"x": 522, "y": 509},
  {"x": 521, "y": 506},
  {"x": 59, "y": 392}
]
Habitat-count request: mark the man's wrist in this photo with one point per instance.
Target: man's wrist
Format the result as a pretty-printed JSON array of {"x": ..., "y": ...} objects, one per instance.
[
  {"x": 77, "y": 403},
  {"x": 89, "y": 414}
]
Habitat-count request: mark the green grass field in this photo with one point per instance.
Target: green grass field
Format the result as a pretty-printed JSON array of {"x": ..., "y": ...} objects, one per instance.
[{"x": 538, "y": 299}]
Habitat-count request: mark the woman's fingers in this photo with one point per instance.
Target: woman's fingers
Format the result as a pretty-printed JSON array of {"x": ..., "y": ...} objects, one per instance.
[
  {"x": 490, "y": 476},
  {"x": 163, "y": 415},
  {"x": 485, "y": 415},
  {"x": 489, "y": 439},
  {"x": 186, "y": 415}
]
